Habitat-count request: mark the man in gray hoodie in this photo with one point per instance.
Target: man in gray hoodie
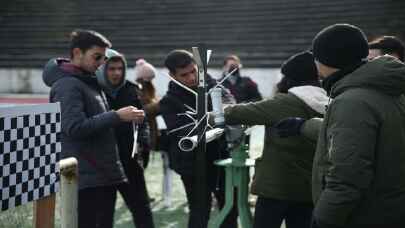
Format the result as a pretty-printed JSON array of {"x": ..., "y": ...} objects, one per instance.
[
  {"x": 87, "y": 124},
  {"x": 121, "y": 93}
]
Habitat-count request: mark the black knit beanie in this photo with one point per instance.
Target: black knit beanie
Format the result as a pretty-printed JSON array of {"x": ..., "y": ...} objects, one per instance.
[
  {"x": 340, "y": 45},
  {"x": 300, "y": 67}
]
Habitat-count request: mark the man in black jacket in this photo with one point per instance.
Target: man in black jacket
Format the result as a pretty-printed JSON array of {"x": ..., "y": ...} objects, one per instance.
[
  {"x": 177, "y": 101},
  {"x": 120, "y": 93},
  {"x": 87, "y": 126}
]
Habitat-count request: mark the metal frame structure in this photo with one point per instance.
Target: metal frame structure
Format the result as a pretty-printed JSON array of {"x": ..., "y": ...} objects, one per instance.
[{"x": 236, "y": 167}]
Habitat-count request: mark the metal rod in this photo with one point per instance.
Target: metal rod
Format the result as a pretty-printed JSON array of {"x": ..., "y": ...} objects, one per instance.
[
  {"x": 200, "y": 206},
  {"x": 222, "y": 80}
]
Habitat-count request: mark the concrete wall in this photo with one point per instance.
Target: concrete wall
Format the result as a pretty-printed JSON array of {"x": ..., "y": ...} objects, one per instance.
[{"x": 30, "y": 80}]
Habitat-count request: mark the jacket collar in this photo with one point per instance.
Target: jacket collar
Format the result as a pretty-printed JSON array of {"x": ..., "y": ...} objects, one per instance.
[{"x": 330, "y": 81}]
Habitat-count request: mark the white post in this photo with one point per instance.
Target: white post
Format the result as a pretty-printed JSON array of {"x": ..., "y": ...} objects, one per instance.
[
  {"x": 167, "y": 181},
  {"x": 69, "y": 192}
]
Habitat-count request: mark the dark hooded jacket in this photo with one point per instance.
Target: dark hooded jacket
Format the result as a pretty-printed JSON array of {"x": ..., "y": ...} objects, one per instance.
[
  {"x": 358, "y": 175},
  {"x": 118, "y": 97},
  {"x": 87, "y": 132},
  {"x": 173, "y": 104}
]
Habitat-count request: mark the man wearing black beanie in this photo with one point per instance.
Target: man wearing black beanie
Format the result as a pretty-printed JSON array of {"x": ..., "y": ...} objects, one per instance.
[{"x": 358, "y": 177}]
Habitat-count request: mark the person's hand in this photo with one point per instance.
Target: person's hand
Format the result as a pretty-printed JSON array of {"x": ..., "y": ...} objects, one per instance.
[
  {"x": 227, "y": 97},
  {"x": 130, "y": 113},
  {"x": 288, "y": 127}
]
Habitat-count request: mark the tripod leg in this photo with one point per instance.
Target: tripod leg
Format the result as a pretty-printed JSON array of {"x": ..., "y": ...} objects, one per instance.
[
  {"x": 245, "y": 214},
  {"x": 229, "y": 201}
]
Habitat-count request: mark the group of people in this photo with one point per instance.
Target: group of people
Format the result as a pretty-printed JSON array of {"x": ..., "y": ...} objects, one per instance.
[
  {"x": 334, "y": 151},
  {"x": 334, "y": 132},
  {"x": 109, "y": 125}
]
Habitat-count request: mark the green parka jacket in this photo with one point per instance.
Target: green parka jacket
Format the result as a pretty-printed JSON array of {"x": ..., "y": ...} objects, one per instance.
[
  {"x": 359, "y": 166},
  {"x": 284, "y": 170}
]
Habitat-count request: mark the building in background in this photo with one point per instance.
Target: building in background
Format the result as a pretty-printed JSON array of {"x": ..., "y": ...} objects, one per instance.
[{"x": 262, "y": 32}]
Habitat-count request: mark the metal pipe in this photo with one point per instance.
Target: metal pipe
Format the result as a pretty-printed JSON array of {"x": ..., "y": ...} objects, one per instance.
[
  {"x": 217, "y": 109},
  {"x": 190, "y": 143},
  {"x": 200, "y": 206}
]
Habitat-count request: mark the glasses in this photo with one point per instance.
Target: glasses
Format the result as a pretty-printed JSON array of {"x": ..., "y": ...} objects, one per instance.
[{"x": 99, "y": 57}]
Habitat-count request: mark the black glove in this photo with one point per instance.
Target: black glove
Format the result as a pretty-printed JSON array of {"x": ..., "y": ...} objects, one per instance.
[{"x": 287, "y": 127}]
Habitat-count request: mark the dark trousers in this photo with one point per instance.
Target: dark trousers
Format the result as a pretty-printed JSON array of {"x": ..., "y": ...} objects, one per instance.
[
  {"x": 216, "y": 186},
  {"x": 135, "y": 195},
  {"x": 270, "y": 213},
  {"x": 96, "y": 205}
]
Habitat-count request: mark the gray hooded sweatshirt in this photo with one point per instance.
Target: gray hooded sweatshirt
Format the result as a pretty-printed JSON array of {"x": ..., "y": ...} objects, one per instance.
[{"x": 102, "y": 77}]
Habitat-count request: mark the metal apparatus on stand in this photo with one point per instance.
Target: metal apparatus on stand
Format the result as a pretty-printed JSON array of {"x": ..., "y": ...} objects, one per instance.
[
  {"x": 236, "y": 167},
  {"x": 236, "y": 177}
]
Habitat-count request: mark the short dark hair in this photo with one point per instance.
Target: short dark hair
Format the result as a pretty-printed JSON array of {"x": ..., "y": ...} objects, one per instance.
[
  {"x": 178, "y": 59},
  {"x": 388, "y": 45},
  {"x": 86, "y": 39}
]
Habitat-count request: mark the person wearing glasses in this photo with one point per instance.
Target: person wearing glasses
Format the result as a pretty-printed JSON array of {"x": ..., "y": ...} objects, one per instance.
[
  {"x": 87, "y": 125},
  {"x": 243, "y": 88}
]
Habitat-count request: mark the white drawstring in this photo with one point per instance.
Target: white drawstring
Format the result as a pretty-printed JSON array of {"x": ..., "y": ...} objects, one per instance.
[{"x": 135, "y": 147}]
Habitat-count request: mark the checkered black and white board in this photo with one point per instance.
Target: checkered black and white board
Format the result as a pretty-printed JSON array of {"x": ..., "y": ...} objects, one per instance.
[{"x": 29, "y": 153}]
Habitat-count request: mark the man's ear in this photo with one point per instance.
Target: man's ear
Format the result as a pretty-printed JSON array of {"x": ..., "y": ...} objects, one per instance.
[{"x": 77, "y": 53}]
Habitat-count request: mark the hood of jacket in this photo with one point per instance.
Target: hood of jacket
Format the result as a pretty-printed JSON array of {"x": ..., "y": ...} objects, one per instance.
[
  {"x": 102, "y": 74},
  {"x": 385, "y": 74},
  {"x": 314, "y": 97},
  {"x": 58, "y": 68}
]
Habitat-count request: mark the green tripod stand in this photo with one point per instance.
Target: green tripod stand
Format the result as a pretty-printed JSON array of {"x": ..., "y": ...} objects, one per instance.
[{"x": 236, "y": 178}]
